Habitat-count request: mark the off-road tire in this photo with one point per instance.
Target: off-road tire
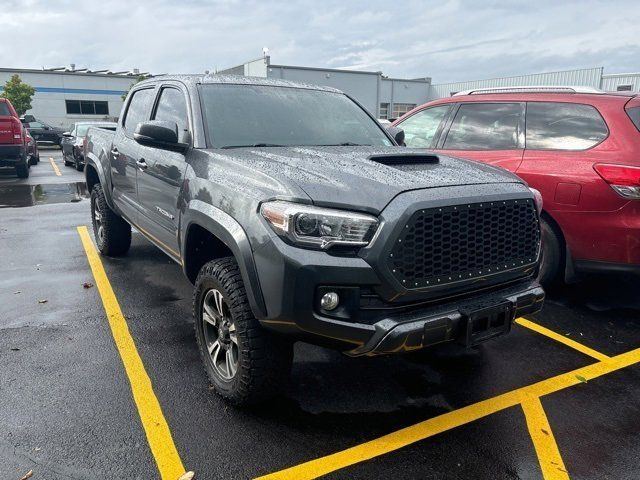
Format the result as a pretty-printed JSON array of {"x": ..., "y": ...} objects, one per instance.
[
  {"x": 22, "y": 170},
  {"x": 551, "y": 265},
  {"x": 264, "y": 359},
  {"x": 115, "y": 238}
]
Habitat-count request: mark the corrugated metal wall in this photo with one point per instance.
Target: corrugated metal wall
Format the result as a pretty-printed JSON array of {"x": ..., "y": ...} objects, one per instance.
[
  {"x": 589, "y": 77},
  {"x": 611, "y": 83}
]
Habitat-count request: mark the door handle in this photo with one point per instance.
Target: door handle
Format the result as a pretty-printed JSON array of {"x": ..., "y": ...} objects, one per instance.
[
  {"x": 142, "y": 164},
  {"x": 115, "y": 153}
]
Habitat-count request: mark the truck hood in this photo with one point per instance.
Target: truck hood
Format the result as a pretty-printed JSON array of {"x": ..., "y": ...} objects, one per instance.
[{"x": 362, "y": 178}]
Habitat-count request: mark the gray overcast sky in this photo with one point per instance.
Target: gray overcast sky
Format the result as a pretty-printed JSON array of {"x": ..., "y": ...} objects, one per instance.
[{"x": 457, "y": 40}]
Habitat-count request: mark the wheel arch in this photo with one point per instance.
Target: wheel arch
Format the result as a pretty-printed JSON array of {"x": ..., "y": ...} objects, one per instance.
[
  {"x": 94, "y": 174},
  {"x": 204, "y": 224}
]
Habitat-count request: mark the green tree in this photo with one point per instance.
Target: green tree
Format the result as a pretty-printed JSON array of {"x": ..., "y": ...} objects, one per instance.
[
  {"x": 139, "y": 78},
  {"x": 19, "y": 94}
]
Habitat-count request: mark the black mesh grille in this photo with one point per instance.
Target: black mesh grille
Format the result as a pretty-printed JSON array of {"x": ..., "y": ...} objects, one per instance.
[{"x": 450, "y": 244}]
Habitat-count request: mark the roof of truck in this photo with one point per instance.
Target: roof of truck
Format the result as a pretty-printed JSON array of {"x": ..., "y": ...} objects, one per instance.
[{"x": 196, "y": 79}]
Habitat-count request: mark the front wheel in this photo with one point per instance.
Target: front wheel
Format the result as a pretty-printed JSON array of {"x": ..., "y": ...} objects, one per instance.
[
  {"x": 245, "y": 363},
  {"x": 112, "y": 232}
]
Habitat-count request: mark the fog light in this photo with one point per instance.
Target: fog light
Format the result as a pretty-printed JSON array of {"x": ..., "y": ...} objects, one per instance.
[{"x": 329, "y": 301}]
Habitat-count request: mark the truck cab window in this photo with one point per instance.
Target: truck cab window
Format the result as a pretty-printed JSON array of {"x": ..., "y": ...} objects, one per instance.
[
  {"x": 172, "y": 107},
  {"x": 138, "y": 110}
]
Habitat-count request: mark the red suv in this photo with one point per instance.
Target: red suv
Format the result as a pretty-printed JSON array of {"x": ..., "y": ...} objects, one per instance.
[
  {"x": 13, "y": 140},
  {"x": 579, "y": 147}
]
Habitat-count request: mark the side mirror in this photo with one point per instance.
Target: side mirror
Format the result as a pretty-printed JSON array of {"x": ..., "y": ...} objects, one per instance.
[
  {"x": 159, "y": 134},
  {"x": 397, "y": 134},
  {"x": 67, "y": 134}
]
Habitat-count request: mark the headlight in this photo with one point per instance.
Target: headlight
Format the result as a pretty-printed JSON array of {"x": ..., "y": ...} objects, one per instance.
[{"x": 319, "y": 227}]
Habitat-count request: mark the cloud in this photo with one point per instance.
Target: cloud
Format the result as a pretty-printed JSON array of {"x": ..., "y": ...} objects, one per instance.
[{"x": 450, "y": 40}]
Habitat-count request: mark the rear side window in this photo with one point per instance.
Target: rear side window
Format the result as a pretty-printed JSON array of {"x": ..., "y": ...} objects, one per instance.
[
  {"x": 138, "y": 110},
  {"x": 563, "y": 126},
  {"x": 634, "y": 115},
  {"x": 485, "y": 126},
  {"x": 4, "y": 109},
  {"x": 420, "y": 128},
  {"x": 173, "y": 108}
]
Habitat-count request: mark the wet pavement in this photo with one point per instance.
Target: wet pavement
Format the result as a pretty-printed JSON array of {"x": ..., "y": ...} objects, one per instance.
[{"x": 66, "y": 409}]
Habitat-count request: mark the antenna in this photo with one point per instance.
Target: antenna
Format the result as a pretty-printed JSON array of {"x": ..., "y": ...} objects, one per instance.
[{"x": 265, "y": 51}]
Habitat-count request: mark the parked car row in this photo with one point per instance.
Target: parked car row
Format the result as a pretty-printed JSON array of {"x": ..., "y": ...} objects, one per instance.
[{"x": 579, "y": 147}]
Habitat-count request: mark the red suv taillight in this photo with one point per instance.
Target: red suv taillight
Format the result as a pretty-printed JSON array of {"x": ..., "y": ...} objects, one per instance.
[
  {"x": 16, "y": 128},
  {"x": 625, "y": 180}
]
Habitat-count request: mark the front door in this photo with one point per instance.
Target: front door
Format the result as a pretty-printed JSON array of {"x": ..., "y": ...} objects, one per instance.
[
  {"x": 161, "y": 174},
  {"x": 124, "y": 153}
]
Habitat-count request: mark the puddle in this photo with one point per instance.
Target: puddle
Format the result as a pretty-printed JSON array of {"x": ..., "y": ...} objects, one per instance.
[{"x": 30, "y": 195}]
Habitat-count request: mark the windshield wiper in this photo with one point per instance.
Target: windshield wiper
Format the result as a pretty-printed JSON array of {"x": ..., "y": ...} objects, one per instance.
[
  {"x": 345, "y": 144},
  {"x": 255, "y": 145}
]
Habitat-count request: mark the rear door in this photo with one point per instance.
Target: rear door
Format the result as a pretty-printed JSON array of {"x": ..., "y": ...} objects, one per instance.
[
  {"x": 125, "y": 152},
  {"x": 561, "y": 149},
  {"x": 6, "y": 124},
  {"x": 160, "y": 179},
  {"x": 491, "y": 132}
]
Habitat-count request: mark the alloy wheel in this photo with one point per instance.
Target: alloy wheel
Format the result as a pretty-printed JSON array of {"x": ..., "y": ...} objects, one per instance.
[{"x": 221, "y": 339}]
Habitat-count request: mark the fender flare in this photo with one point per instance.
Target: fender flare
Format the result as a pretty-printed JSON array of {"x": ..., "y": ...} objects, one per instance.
[
  {"x": 96, "y": 164},
  {"x": 231, "y": 233}
]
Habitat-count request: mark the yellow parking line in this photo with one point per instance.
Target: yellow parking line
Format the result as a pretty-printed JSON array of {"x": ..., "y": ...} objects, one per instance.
[
  {"x": 153, "y": 421},
  {"x": 544, "y": 442},
  {"x": 562, "y": 339},
  {"x": 55, "y": 167},
  {"x": 423, "y": 430}
]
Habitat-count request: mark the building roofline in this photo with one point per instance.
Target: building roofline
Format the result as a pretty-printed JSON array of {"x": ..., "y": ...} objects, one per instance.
[
  {"x": 522, "y": 75},
  {"x": 130, "y": 75},
  {"x": 614, "y": 75},
  {"x": 320, "y": 69}
]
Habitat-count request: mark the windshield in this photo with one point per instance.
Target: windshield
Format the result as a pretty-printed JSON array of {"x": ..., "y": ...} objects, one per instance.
[{"x": 256, "y": 115}]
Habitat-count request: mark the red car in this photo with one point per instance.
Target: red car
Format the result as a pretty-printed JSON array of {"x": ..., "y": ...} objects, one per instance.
[
  {"x": 13, "y": 140},
  {"x": 579, "y": 147}
]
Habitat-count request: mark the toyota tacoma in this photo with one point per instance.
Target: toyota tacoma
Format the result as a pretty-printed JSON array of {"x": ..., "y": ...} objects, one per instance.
[{"x": 297, "y": 216}]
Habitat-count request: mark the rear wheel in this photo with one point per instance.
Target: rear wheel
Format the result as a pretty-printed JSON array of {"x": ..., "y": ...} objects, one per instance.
[
  {"x": 244, "y": 362},
  {"x": 22, "y": 170},
  {"x": 551, "y": 258},
  {"x": 112, "y": 232}
]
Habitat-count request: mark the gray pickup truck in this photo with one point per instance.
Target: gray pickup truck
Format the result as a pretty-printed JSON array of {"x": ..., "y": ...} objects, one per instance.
[{"x": 298, "y": 217}]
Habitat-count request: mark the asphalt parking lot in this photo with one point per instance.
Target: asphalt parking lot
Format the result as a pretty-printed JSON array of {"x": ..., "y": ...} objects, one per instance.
[{"x": 100, "y": 376}]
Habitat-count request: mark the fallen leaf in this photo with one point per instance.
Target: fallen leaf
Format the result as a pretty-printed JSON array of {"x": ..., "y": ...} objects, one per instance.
[
  {"x": 544, "y": 431},
  {"x": 29, "y": 474},
  {"x": 187, "y": 476},
  {"x": 581, "y": 378},
  {"x": 87, "y": 285},
  {"x": 37, "y": 449},
  {"x": 17, "y": 292},
  {"x": 15, "y": 349},
  {"x": 43, "y": 301}
]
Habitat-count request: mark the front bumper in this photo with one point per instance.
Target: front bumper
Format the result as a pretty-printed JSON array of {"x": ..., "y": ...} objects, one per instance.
[{"x": 292, "y": 281}]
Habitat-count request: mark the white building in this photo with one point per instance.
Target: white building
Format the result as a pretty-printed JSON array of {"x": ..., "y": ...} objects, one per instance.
[{"x": 67, "y": 95}]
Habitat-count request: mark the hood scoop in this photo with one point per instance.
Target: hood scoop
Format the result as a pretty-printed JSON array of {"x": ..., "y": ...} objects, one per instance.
[{"x": 405, "y": 159}]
